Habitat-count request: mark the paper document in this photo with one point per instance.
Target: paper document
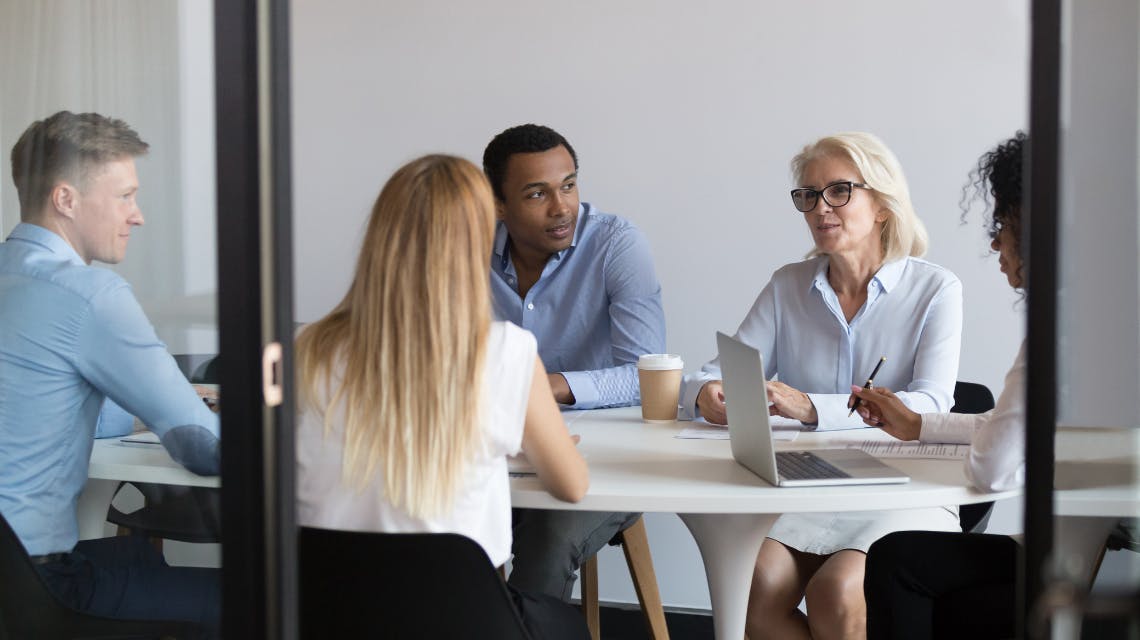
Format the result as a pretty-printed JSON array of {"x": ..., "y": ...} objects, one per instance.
[
  {"x": 701, "y": 430},
  {"x": 898, "y": 449},
  {"x": 141, "y": 437},
  {"x": 519, "y": 466}
]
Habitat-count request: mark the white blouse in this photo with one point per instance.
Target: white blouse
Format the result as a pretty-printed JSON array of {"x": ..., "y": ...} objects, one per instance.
[
  {"x": 482, "y": 505},
  {"x": 997, "y": 437}
]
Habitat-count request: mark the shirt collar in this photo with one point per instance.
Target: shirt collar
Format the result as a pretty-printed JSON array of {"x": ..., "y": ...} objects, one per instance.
[
  {"x": 887, "y": 276},
  {"x": 819, "y": 280},
  {"x": 47, "y": 239},
  {"x": 890, "y": 273},
  {"x": 501, "y": 236}
]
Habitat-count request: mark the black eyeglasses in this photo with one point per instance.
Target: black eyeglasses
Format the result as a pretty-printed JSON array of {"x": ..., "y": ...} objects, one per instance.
[{"x": 836, "y": 194}]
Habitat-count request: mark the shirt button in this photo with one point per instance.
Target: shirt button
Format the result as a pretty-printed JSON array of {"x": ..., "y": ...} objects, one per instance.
[{"x": 530, "y": 305}]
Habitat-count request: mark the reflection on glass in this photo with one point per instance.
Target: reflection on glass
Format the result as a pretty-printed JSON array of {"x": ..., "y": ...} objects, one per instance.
[{"x": 108, "y": 269}]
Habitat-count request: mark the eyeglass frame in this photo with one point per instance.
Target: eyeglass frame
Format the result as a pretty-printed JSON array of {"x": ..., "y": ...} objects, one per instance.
[{"x": 820, "y": 194}]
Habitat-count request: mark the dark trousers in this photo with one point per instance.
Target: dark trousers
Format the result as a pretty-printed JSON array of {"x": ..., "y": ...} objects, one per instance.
[
  {"x": 548, "y": 618},
  {"x": 925, "y": 584},
  {"x": 550, "y": 545},
  {"x": 126, "y": 577}
]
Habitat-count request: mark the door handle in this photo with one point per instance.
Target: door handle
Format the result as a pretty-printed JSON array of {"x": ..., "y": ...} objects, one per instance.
[{"x": 271, "y": 388}]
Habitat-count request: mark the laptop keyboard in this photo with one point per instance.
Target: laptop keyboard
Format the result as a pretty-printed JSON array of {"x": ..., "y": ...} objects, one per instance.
[{"x": 804, "y": 465}]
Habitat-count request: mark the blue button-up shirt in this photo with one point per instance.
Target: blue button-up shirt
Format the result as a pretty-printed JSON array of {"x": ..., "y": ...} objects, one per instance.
[
  {"x": 70, "y": 336},
  {"x": 913, "y": 316},
  {"x": 595, "y": 309}
]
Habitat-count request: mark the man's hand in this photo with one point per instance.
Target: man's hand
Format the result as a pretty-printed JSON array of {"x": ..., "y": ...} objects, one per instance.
[
  {"x": 791, "y": 403},
  {"x": 561, "y": 388},
  {"x": 710, "y": 402},
  {"x": 883, "y": 409}
]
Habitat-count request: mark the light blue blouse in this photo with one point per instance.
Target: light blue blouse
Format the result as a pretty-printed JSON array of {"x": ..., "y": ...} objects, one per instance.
[{"x": 913, "y": 316}]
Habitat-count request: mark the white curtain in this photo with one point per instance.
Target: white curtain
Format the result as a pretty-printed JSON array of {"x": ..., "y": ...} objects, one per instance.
[{"x": 148, "y": 62}]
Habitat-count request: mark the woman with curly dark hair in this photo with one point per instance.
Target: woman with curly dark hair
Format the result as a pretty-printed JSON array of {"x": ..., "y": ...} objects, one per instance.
[{"x": 923, "y": 584}]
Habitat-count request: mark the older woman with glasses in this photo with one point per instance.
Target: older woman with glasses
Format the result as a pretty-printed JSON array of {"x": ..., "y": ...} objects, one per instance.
[{"x": 822, "y": 325}]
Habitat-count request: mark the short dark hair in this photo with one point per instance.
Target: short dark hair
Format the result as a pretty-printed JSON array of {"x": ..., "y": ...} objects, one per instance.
[
  {"x": 997, "y": 180},
  {"x": 67, "y": 146},
  {"x": 525, "y": 138}
]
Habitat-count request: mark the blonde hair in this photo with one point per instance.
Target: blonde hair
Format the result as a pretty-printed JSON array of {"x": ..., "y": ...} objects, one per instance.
[
  {"x": 405, "y": 347},
  {"x": 903, "y": 234}
]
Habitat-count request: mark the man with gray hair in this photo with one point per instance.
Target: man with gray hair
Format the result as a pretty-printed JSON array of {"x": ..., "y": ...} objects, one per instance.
[{"x": 71, "y": 336}]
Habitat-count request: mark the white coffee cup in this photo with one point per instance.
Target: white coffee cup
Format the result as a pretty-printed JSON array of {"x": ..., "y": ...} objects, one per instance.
[{"x": 659, "y": 375}]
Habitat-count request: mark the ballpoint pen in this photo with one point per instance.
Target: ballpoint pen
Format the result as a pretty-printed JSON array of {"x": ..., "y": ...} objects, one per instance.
[{"x": 870, "y": 383}]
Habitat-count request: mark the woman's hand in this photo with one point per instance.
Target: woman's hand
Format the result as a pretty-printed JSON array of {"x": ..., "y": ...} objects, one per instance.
[
  {"x": 883, "y": 409},
  {"x": 710, "y": 402},
  {"x": 791, "y": 403}
]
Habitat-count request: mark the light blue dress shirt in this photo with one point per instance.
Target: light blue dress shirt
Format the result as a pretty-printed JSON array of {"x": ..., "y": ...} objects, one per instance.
[
  {"x": 71, "y": 335},
  {"x": 595, "y": 309},
  {"x": 913, "y": 316}
]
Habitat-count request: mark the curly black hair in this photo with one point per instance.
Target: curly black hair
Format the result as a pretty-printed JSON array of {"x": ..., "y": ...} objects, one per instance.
[
  {"x": 525, "y": 138},
  {"x": 997, "y": 180}
]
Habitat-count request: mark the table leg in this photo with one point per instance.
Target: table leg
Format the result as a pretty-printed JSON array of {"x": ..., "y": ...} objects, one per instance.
[
  {"x": 729, "y": 543},
  {"x": 92, "y": 507},
  {"x": 1077, "y": 546}
]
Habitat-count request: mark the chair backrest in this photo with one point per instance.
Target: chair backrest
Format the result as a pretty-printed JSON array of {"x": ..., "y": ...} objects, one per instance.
[
  {"x": 971, "y": 397},
  {"x": 400, "y": 585},
  {"x": 29, "y": 610},
  {"x": 198, "y": 367},
  {"x": 23, "y": 595}
]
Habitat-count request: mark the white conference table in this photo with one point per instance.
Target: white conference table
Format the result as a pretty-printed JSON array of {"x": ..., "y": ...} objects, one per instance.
[
  {"x": 1096, "y": 482},
  {"x": 636, "y": 466}
]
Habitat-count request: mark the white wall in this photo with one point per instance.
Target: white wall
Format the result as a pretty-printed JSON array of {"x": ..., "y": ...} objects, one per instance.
[{"x": 684, "y": 116}]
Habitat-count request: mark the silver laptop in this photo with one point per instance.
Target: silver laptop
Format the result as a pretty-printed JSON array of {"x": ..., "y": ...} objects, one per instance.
[{"x": 750, "y": 432}]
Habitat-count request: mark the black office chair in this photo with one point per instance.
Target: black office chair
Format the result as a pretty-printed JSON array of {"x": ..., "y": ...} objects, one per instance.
[
  {"x": 400, "y": 585},
  {"x": 186, "y": 514},
  {"x": 971, "y": 397},
  {"x": 28, "y": 609}
]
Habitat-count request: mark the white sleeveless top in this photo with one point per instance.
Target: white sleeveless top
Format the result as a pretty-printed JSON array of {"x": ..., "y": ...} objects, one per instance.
[{"x": 482, "y": 505}]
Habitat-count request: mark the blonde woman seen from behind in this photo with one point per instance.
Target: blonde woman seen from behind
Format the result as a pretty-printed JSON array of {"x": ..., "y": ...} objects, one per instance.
[{"x": 411, "y": 397}]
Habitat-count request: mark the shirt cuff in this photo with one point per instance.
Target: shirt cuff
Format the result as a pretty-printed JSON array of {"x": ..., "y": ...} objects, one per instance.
[
  {"x": 691, "y": 386},
  {"x": 831, "y": 412},
  {"x": 946, "y": 428},
  {"x": 585, "y": 392}
]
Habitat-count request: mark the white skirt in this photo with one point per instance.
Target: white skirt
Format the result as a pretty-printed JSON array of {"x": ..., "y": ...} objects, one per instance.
[{"x": 827, "y": 533}]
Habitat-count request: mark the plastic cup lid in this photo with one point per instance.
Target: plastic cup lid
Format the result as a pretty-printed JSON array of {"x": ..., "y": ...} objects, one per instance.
[{"x": 660, "y": 361}]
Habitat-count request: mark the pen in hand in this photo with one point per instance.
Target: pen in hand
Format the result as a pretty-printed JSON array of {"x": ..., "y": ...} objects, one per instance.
[{"x": 870, "y": 383}]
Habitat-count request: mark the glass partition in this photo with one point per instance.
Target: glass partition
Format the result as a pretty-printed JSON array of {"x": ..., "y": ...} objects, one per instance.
[
  {"x": 154, "y": 64},
  {"x": 1094, "y": 567}
]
